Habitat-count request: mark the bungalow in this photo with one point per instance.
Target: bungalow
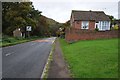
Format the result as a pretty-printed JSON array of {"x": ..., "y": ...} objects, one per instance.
[{"x": 90, "y": 20}]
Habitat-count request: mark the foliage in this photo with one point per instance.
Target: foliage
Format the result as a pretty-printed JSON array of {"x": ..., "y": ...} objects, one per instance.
[
  {"x": 111, "y": 19},
  {"x": 96, "y": 29},
  {"x": 61, "y": 30},
  {"x": 8, "y": 40},
  {"x": 53, "y": 26},
  {"x": 15, "y": 15},
  {"x": 18, "y": 15},
  {"x": 93, "y": 58},
  {"x": 22, "y": 14},
  {"x": 116, "y": 27}
]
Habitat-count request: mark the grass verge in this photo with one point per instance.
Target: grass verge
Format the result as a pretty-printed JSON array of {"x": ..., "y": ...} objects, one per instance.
[
  {"x": 8, "y": 41},
  {"x": 92, "y": 58},
  {"x": 47, "y": 66}
]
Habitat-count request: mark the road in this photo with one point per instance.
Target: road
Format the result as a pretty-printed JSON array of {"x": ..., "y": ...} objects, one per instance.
[{"x": 26, "y": 60}]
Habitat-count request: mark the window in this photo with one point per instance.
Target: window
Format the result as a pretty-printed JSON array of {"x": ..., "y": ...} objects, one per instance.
[
  {"x": 104, "y": 25},
  {"x": 99, "y": 24},
  {"x": 85, "y": 24}
]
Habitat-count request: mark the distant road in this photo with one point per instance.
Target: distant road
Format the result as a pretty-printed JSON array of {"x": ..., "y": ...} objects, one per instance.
[{"x": 26, "y": 60}]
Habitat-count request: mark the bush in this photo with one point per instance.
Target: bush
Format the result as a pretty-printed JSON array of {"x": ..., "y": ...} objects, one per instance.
[
  {"x": 96, "y": 29},
  {"x": 116, "y": 27},
  {"x": 19, "y": 38},
  {"x": 9, "y": 40}
]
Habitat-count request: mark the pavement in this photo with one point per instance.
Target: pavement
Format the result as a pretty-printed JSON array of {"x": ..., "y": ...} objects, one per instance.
[
  {"x": 26, "y": 60},
  {"x": 58, "y": 66}
]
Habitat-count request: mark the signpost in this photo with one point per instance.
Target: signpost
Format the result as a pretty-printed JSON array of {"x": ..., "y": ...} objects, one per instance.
[{"x": 28, "y": 29}]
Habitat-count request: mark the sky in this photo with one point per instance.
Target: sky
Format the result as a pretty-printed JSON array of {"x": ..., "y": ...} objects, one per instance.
[{"x": 60, "y": 10}]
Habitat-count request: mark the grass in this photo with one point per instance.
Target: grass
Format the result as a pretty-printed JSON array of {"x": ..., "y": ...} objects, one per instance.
[
  {"x": 8, "y": 41},
  {"x": 47, "y": 66},
  {"x": 92, "y": 58}
]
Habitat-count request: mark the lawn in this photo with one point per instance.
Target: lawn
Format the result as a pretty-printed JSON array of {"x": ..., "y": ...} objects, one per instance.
[{"x": 92, "y": 58}]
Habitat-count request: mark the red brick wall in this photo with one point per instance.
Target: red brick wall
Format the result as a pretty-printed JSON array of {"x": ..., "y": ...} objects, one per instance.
[
  {"x": 91, "y": 25},
  {"x": 77, "y": 25},
  {"x": 77, "y": 34}
]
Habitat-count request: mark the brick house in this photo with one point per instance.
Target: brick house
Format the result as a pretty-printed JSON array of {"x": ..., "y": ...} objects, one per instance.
[{"x": 90, "y": 20}]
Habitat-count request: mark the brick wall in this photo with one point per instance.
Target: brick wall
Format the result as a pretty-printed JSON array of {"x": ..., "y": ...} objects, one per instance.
[
  {"x": 78, "y": 24},
  {"x": 91, "y": 25},
  {"x": 77, "y": 34}
]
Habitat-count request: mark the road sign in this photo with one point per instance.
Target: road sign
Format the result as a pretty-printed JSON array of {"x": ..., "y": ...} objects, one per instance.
[{"x": 28, "y": 28}]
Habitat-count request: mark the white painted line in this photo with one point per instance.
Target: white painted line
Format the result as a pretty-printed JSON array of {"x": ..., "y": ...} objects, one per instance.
[
  {"x": 8, "y": 54},
  {"x": 52, "y": 42},
  {"x": 33, "y": 44},
  {"x": 47, "y": 63}
]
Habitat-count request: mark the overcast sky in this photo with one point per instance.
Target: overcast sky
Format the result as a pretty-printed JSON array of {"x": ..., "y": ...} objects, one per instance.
[{"x": 60, "y": 10}]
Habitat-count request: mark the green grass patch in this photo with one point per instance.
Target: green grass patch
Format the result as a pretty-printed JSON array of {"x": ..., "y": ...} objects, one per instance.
[
  {"x": 8, "y": 41},
  {"x": 92, "y": 58}
]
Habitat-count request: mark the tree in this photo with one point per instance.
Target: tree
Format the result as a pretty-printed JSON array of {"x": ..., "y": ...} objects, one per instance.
[
  {"x": 18, "y": 15},
  {"x": 5, "y": 9},
  {"x": 61, "y": 31},
  {"x": 112, "y": 19}
]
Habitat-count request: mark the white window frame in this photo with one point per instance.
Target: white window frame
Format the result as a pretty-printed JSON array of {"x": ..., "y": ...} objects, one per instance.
[
  {"x": 83, "y": 25},
  {"x": 104, "y": 25}
]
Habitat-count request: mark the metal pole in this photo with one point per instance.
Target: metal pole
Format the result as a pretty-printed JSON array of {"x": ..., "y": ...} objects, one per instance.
[
  {"x": 1, "y": 39},
  {"x": 28, "y": 34}
]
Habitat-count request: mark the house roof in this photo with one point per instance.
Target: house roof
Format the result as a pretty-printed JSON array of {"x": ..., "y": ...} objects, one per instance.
[{"x": 90, "y": 15}]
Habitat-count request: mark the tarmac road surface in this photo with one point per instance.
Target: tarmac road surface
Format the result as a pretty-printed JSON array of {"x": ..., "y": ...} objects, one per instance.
[{"x": 26, "y": 60}]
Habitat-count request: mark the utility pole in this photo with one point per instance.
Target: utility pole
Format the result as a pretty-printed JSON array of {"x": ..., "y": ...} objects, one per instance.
[
  {"x": 0, "y": 39},
  {"x": 0, "y": 17}
]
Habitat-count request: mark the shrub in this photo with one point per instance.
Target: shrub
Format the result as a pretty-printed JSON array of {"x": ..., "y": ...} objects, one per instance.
[
  {"x": 116, "y": 27},
  {"x": 10, "y": 40},
  {"x": 96, "y": 29}
]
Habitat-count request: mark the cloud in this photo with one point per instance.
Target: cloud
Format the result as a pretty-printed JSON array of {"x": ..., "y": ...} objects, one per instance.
[
  {"x": 75, "y": 0},
  {"x": 61, "y": 10}
]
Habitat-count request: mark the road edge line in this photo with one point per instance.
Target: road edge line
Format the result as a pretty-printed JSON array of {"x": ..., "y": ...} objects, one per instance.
[{"x": 46, "y": 67}]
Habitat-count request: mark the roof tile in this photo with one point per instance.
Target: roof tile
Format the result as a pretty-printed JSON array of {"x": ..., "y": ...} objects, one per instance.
[{"x": 90, "y": 15}]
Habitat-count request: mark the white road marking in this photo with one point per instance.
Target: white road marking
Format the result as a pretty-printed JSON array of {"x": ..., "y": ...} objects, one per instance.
[
  {"x": 52, "y": 41},
  {"x": 33, "y": 44},
  {"x": 8, "y": 54}
]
